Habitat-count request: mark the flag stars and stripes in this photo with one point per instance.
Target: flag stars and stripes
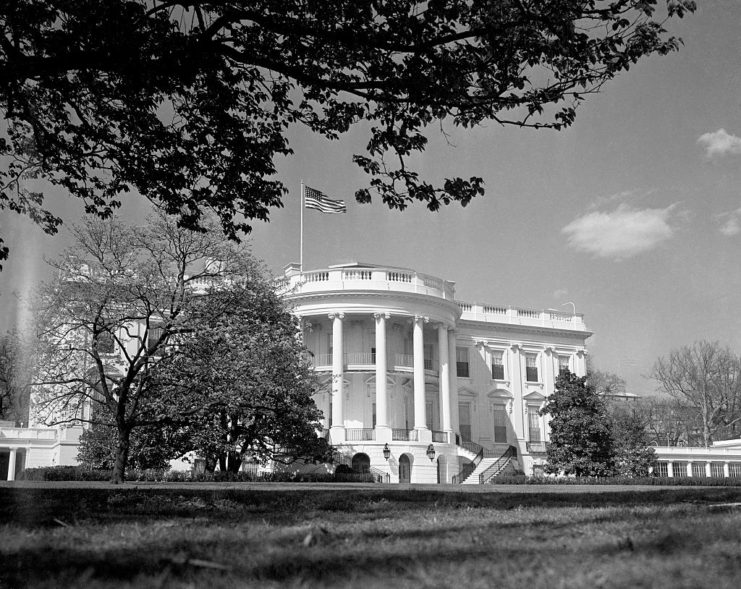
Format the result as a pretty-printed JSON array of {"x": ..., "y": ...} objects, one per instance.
[{"x": 314, "y": 199}]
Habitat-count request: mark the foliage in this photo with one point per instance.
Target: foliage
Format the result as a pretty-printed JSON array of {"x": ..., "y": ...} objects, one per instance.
[
  {"x": 121, "y": 297},
  {"x": 707, "y": 377},
  {"x": 670, "y": 422},
  {"x": 633, "y": 454},
  {"x": 581, "y": 435},
  {"x": 614, "y": 481},
  {"x": 150, "y": 447},
  {"x": 191, "y": 103},
  {"x": 240, "y": 386}
]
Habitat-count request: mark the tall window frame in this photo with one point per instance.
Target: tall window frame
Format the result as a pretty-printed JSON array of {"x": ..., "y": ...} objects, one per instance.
[
  {"x": 532, "y": 372},
  {"x": 462, "y": 362},
  {"x": 497, "y": 364}
]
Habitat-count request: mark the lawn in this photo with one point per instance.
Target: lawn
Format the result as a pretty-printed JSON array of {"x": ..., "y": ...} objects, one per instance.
[{"x": 299, "y": 535}]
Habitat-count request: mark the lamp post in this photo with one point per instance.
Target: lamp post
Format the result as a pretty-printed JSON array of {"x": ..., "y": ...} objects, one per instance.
[
  {"x": 431, "y": 452},
  {"x": 386, "y": 452}
]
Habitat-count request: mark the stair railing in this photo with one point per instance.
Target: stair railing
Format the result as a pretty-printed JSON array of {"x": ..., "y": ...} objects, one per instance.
[
  {"x": 494, "y": 469},
  {"x": 468, "y": 468}
]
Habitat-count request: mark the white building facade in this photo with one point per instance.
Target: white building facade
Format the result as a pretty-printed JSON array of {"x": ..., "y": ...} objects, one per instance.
[{"x": 424, "y": 388}]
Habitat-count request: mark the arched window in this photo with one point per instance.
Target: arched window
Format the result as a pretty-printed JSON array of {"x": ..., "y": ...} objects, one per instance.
[{"x": 361, "y": 463}]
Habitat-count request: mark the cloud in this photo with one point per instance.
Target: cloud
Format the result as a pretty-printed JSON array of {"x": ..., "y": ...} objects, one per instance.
[
  {"x": 729, "y": 223},
  {"x": 622, "y": 233},
  {"x": 720, "y": 143},
  {"x": 560, "y": 293}
]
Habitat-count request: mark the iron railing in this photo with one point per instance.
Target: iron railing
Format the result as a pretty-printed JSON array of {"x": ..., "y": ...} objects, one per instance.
[
  {"x": 495, "y": 468},
  {"x": 360, "y": 434},
  {"x": 404, "y": 435},
  {"x": 469, "y": 467}
]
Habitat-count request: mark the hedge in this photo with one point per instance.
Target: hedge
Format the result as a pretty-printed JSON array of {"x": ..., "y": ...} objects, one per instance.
[{"x": 79, "y": 473}]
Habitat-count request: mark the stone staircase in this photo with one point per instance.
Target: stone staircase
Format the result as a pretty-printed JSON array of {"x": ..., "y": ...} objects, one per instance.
[{"x": 493, "y": 466}]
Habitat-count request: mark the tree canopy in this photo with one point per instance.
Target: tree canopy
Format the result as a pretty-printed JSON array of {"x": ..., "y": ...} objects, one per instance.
[
  {"x": 122, "y": 297},
  {"x": 189, "y": 103},
  {"x": 240, "y": 386},
  {"x": 581, "y": 433},
  {"x": 705, "y": 376}
]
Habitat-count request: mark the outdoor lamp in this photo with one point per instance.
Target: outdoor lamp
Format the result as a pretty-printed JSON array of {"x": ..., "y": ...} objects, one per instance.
[
  {"x": 386, "y": 452},
  {"x": 431, "y": 452}
]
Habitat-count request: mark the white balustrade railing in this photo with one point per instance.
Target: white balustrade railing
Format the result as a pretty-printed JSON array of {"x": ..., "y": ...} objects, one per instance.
[
  {"x": 27, "y": 433},
  {"x": 366, "y": 279}
]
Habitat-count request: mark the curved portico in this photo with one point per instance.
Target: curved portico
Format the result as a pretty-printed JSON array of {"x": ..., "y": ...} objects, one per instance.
[
  {"x": 415, "y": 383},
  {"x": 379, "y": 339}
]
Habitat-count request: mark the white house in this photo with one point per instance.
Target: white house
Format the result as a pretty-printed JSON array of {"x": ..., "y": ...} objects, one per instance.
[{"x": 423, "y": 387}]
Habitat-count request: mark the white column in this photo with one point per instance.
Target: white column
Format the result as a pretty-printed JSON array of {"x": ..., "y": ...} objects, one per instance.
[
  {"x": 550, "y": 371},
  {"x": 580, "y": 366},
  {"x": 337, "y": 431},
  {"x": 444, "y": 356},
  {"x": 11, "y": 464},
  {"x": 419, "y": 374},
  {"x": 518, "y": 419},
  {"x": 689, "y": 468},
  {"x": 726, "y": 470},
  {"x": 708, "y": 470},
  {"x": 670, "y": 469},
  {"x": 381, "y": 372},
  {"x": 453, "y": 372}
]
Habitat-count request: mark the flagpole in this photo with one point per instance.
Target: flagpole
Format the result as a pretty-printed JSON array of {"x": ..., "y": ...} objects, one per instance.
[{"x": 301, "y": 238}]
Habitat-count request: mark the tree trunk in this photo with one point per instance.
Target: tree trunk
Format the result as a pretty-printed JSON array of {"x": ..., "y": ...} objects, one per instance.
[
  {"x": 235, "y": 462},
  {"x": 122, "y": 455}
]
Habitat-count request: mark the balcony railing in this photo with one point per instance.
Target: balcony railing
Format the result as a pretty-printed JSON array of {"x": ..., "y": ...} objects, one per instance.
[
  {"x": 360, "y": 434},
  {"x": 27, "y": 433},
  {"x": 362, "y": 358},
  {"x": 536, "y": 447},
  {"x": 513, "y": 315},
  {"x": 404, "y": 435}
]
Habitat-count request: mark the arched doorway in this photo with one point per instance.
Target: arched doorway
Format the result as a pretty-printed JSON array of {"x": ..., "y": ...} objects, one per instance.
[
  {"x": 405, "y": 469},
  {"x": 361, "y": 463},
  {"x": 442, "y": 467}
]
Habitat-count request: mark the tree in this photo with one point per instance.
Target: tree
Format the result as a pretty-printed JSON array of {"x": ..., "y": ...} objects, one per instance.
[
  {"x": 240, "y": 385},
  {"x": 670, "y": 422},
  {"x": 581, "y": 434},
  {"x": 123, "y": 296},
  {"x": 707, "y": 377},
  {"x": 190, "y": 103},
  {"x": 150, "y": 446},
  {"x": 632, "y": 453}
]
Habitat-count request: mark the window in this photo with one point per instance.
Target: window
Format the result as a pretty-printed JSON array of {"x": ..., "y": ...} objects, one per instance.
[
  {"x": 534, "y": 423},
  {"x": 329, "y": 417},
  {"x": 716, "y": 470},
  {"x": 734, "y": 469},
  {"x": 661, "y": 469},
  {"x": 429, "y": 416},
  {"x": 428, "y": 356},
  {"x": 563, "y": 364},
  {"x": 374, "y": 416},
  {"x": 698, "y": 469},
  {"x": 497, "y": 365},
  {"x": 680, "y": 470},
  {"x": 531, "y": 368},
  {"x": 500, "y": 424},
  {"x": 461, "y": 362},
  {"x": 464, "y": 420},
  {"x": 329, "y": 344}
]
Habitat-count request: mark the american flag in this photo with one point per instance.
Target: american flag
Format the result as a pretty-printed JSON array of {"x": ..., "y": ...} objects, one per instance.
[{"x": 319, "y": 201}]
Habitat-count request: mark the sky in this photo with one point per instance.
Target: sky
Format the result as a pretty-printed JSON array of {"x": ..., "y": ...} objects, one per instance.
[{"x": 633, "y": 214}]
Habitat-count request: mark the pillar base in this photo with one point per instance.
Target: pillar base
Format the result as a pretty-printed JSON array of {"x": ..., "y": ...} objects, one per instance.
[
  {"x": 424, "y": 435},
  {"x": 337, "y": 434},
  {"x": 383, "y": 434}
]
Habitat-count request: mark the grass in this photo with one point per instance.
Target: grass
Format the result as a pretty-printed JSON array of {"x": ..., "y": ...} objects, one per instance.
[{"x": 262, "y": 535}]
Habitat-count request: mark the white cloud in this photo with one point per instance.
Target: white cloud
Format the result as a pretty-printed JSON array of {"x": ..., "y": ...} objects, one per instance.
[
  {"x": 720, "y": 143},
  {"x": 622, "y": 233},
  {"x": 729, "y": 223}
]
